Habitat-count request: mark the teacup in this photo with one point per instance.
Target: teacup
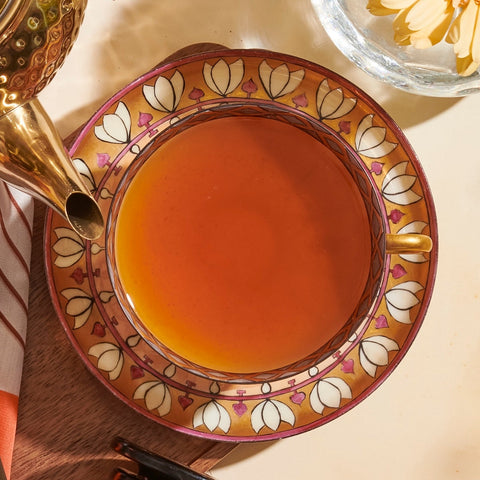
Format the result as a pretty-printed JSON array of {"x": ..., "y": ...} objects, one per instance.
[{"x": 248, "y": 242}]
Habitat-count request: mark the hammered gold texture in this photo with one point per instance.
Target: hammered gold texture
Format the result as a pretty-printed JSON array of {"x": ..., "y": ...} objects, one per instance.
[{"x": 43, "y": 34}]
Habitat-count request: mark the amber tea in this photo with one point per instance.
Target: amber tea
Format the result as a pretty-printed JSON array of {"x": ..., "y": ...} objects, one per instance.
[{"x": 243, "y": 244}]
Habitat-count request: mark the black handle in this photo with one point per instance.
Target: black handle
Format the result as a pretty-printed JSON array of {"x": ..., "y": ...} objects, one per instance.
[
  {"x": 121, "y": 474},
  {"x": 153, "y": 466}
]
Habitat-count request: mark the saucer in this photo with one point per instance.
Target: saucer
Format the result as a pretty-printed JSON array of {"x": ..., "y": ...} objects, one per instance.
[{"x": 188, "y": 401}]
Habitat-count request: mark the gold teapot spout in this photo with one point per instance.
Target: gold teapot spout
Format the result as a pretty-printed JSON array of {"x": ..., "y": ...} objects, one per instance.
[{"x": 34, "y": 159}]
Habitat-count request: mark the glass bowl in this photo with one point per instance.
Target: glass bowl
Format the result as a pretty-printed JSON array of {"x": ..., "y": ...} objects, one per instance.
[{"x": 367, "y": 41}]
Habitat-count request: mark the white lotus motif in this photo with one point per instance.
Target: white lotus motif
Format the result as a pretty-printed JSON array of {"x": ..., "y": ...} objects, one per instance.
[
  {"x": 69, "y": 247},
  {"x": 370, "y": 140},
  {"x": 156, "y": 396},
  {"x": 397, "y": 185},
  {"x": 110, "y": 358},
  {"x": 85, "y": 173},
  {"x": 166, "y": 93},
  {"x": 401, "y": 299},
  {"x": 374, "y": 353},
  {"x": 270, "y": 414},
  {"x": 223, "y": 78},
  {"x": 332, "y": 103},
  {"x": 79, "y": 305},
  {"x": 414, "y": 227},
  {"x": 329, "y": 392},
  {"x": 213, "y": 416},
  {"x": 116, "y": 126},
  {"x": 279, "y": 81}
]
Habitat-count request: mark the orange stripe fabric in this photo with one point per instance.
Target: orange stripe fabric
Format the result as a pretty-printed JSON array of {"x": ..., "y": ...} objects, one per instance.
[
  {"x": 8, "y": 424},
  {"x": 16, "y": 213},
  {"x": 20, "y": 210}
]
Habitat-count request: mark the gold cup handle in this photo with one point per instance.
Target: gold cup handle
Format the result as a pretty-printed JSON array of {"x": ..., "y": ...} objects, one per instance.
[{"x": 408, "y": 243}]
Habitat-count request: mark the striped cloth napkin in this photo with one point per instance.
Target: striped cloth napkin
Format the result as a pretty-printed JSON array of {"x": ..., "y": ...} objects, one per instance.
[{"x": 16, "y": 218}]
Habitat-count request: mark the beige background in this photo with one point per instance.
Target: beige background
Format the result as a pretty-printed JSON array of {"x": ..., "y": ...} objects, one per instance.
[{"x": 424, "y": 422}]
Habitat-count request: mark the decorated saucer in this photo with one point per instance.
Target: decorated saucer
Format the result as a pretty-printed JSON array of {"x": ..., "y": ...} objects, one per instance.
[{"x": 190, "y": 401}]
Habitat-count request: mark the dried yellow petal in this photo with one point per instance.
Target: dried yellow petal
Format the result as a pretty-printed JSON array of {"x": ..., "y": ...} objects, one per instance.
[
  {"x": 426, "y": 31},
  {"x": 376, "y": 8},
  {"x": 427, "y": 12},
  {"x": 466, "y": 66},
  {"x": 424, "y": 23},
  {"x": 467, "y": 20},
  {"x": 398, "y": 4},
  {"x": 476, "y": 37}
]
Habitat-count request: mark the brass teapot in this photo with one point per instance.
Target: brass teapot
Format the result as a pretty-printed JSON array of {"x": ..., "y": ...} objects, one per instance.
[{"x": 35, "y": 37}]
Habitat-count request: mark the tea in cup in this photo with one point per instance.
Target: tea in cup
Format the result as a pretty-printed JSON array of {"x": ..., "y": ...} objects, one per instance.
[{"x": 249, "y": 242}]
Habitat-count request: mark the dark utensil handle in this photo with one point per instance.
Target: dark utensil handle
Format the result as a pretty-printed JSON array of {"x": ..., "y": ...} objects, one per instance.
[
  {"x": 153, "y": 466},
  {"x": 121, "y": 474}
]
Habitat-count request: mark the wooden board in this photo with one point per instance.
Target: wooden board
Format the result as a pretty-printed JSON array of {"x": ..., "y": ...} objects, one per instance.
[{"x": 67, "y": 418}]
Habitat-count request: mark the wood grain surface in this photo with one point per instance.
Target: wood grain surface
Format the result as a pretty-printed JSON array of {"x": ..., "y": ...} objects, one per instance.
[{"x": 67, "y": 418}]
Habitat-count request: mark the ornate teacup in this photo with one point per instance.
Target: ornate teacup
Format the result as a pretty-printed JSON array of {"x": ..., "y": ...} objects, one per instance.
[{"x": 249, "y": 242}]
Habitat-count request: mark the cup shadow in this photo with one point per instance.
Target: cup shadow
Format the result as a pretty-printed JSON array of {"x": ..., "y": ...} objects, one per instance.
[
  {"x": 145, "y": 34},
  {"x": 243, "y": 452}
]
